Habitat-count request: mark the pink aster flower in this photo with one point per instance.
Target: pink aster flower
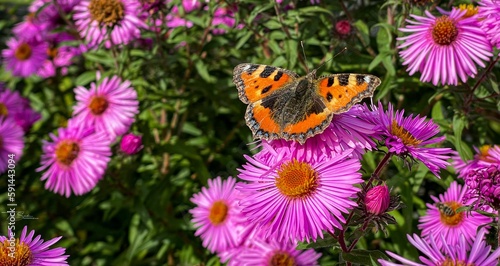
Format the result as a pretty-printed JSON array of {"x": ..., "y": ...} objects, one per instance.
[
  {"x": 461, "y": 254},
  {"x": 11, "y": 142},
  {"x": 444, "y": 48},
  {"x": 24, "y": 58},
  {"x": 293, "y": 198},
  {"x": 486, "y": 155},
  {"x": 173, "y": 19},
  {"x": 26, "y": 117},
  {"x": 409, "y": 136},
  {"x": 442, "y": 218},
  {"x": 223, "y": 19},
  {"x": 110, "y": 106},
  {"x": 59, "y": 55},
  {"x": 31, "y": 28},
  {"x": 190, "y": 5},
  {"x": 11, "y": 102},
  {"x": 75, "y": 160},
  {"x": 489, "y": 13},
  {"x": 94, "y": 18},
  {"x": 484, "y": 187},
  {"x": 48, "y": 11},
  {"x": 31, "y": 251},
  {"x": 273, "y": 252},
  {"x": 217, "y": 215}
]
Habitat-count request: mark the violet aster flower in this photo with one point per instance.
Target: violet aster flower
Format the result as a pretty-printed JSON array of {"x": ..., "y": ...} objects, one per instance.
[
  {"x": 59, "y": 55},
  {"x": 75, "y": 160},
  {"x": 11, "y": 102},
  {"x": 489, "y": 13},
  {"x": 94, "y": 18},
  {"x": 32, "y": 251},
  {"x": 486, "y": 155},
  {"x": 11, "y": 142},
  {"x": 442, "y": 219},
  {"x": 31, "y": 28},
  {"x": 484, "y": 187},
  {"x": 217, "y": 215},
  {"x": 110, "y": 105},
  {"x": 409, "y": 136},
  {"x": 445, "y": 48},
  {"x": 273, "y": 252},
  {"x": 295, "y": 199},
  {"x": 24, "y": 58},
  {"x": 460, "y": 254}
]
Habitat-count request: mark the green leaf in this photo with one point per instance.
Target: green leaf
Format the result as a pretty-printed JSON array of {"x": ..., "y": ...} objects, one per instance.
[
  {"x": 203, "y": 71},
  {"x": 437, "y": 111},
  {"x": 364, "y": 257},
  {"x": 328, "y": 241},
  {"x": 363, "y": 30},
  {"x": 389, "y": 66},
  {"x": 459, "y": 123},
  {"x": 85, "y": 78},
  {"x": 375, "y": 62},
  {"x": 384, "y": 37}
]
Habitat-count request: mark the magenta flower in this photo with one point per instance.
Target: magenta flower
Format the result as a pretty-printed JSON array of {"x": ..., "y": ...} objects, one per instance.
[
  {"x": 489, "y": 13},
  {"x": 444, "y": 48},
  {"x": 110, "y": 106},
  {"x": 293, "y": 198},
  {"x": 377, "y": 199},
  {"x": 24, "y": 58},
  {"x": 11, "y": 102},
  {"x": 94, "y": 18},
  {"x": 11, "y": 142},
  {"x": 442, "y": 218},
  {"x": 31, "y": 28},
  {"x": 31, "y": 251},
  {"x": 190, "y": 5},
  {"x": 484, "y": 187},
  {"x": 461, "y": 254},
  {"x": 26, "y": 117},
  {"x": 224, "y": 19},
  {"x": 59, "y": 55},
  {"x": 272, "y": 252},
  {"x": 486, "y": 155},
  {"x": 409, "y": 136},
  {"x": 75, "y": 160},
  {"x": 131, "y": 144},
  {"x": 48, "y": 13},
  {"x": 217, "y": 215}
]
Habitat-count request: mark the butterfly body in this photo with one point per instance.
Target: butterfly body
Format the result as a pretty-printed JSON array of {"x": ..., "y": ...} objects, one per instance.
[{"x": 282, "y": 104}]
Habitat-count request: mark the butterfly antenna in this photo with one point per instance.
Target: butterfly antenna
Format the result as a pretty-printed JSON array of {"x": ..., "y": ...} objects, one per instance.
[
  {"x": 324, "y": 63},
  {"x": 304, "y": 54}
]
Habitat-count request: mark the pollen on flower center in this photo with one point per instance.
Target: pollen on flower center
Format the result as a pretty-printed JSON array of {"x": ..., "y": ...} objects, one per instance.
[
  {"x": 444, "y": 31},
  {"x": 23, "y": 255},
  {"x": 451, "y": 219},
  {"x": 67, "y": 151},
  {"x": 297, "y": 179},
  {"x": 470, "y": 8},
  {"x": 108, "y": 12},
  {"x": 451, "y": 262},
  {"x": 484, "y": 152},
  {"x": 282, "y": 259},
  {"x": 98, "y": 105},
  {"x": 23, "y": 52},
  {"x": 405, "y": 135},
  {"x": 52, "y": 52},
  {"x": 3, "y": 110},
  {"x": 218, "y": 212}
]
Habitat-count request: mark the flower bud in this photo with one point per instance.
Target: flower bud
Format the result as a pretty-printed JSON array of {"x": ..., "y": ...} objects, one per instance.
[
  {"x": 131, "y": 144},
  {"x": 343, "y": 27},
  {"x": 377, "y": 199}
]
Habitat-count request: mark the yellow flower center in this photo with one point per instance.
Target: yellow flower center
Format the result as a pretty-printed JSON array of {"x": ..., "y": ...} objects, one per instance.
[
  {"x": 16, "y": 255},
  {"x": 448, "y": 214},
  {"x": 282, "y": 259},
  {"x": 450, "y": 262},
  {"x": 444, "y": 31},
  {"x": 297, "y": 179},
  {"x": 218, "y": 212},
  {"x": 98, "y": 105},
  {"x": 471, "y": 10},
  {"x": 3, "y": 110},
  {"x": 52, "y": 52},
  {"x": 107, "y": 12},
  {"x": 23, "y": 52},
  {"x": 484, "y": 152},
  {"x": 405, "y": 135},
  {"x": 67, "y": 151}
]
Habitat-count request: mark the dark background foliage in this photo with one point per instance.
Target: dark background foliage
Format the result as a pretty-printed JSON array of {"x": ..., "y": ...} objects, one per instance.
[{"x": 193, "y": 127}]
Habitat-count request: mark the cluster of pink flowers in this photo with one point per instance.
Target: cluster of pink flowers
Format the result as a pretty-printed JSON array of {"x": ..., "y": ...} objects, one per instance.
[{"x": 288, "y": 192}]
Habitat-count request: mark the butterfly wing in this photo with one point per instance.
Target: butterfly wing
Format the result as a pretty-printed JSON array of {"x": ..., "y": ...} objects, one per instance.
[
  {"x": 341, "y": 91},
  {"x": 255, "y": 82}
]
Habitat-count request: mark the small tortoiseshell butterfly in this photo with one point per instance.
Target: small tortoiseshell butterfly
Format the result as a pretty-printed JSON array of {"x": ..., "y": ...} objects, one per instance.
[{"x": 281, "y": 104}]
